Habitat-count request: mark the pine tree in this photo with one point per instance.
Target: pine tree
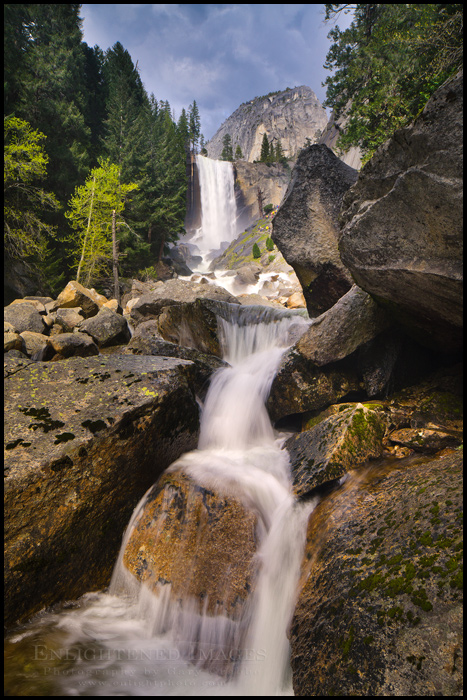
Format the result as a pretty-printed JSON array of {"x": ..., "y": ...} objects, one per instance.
[
  {"x": 280, "y": 156},
  {"x": 52, "y": 93},
  {"x": 195, "y": 125},
  {"x": 238, "y": 153},
  {"x": 227, "y": 152},
  {"x": 264, "y": 157},
  {"x": 386, "y": 65}
]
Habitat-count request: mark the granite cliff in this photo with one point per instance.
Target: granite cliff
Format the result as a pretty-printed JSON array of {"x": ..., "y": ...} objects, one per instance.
[{"x": 290, "y": 116}]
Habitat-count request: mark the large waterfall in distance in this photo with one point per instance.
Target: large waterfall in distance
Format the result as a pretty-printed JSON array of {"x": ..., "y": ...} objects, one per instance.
[{"x": 218, "y": 210}]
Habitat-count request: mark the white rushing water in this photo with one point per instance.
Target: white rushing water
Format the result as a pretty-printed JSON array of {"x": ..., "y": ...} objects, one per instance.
[
  {"x": 132, "y": 641},
  {"x": 218, "y": 209}
]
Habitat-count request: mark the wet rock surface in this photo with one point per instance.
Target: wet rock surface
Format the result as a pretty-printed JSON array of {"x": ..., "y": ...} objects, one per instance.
[
  {"x": 188, "y": 536},
  {"x": 334, "y": 446}
]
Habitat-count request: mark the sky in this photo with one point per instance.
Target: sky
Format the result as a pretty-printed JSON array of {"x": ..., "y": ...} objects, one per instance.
[{"x": 218, "y": 55}]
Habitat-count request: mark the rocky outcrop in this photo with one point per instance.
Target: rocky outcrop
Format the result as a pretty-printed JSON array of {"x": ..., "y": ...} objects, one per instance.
[
  {"x": 380, "y": 606},
  {"x": 306, "y": 227},
  {"x": 271, "y": 179},
  {"x": 291, "y": 117},
  {"x": 330, "y": 137},
  {"x": 85, "y": 438},
  {"x": 173, "y": 292},
  {"x": 402, "y": 223},
  {"x": 354, "y": 320}
]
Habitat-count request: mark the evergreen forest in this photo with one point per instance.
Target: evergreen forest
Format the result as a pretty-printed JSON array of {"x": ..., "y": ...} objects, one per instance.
[{"x": 85, "y": 143}]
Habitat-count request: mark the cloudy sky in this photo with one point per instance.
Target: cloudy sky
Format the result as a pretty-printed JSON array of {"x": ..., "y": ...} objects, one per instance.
[{"x": 218, "y": 55}]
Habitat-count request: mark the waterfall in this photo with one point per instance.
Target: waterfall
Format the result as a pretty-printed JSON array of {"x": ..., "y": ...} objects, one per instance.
[
  {"x": 139, "y": 641},
  {"x": 218, "y": 209}
]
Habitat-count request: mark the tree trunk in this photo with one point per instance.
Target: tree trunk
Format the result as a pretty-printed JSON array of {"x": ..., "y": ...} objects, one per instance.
[
  {"x": 87, "y": 230},
  {"x": 115, "y": 258},
  {"x": 161, "y": 249}
]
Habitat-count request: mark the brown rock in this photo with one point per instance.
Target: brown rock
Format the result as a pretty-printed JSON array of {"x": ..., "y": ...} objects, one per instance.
[
  {"x": 69, "y": 344},
  {"x": 189, "y": 536}
]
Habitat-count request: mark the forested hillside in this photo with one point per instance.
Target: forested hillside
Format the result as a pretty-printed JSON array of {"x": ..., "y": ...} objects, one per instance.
[{"x": 82, "y": 139}]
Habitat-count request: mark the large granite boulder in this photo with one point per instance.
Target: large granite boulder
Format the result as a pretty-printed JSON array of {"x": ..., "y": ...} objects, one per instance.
[
  {"x": 306, "y": 227},
  {"x": 106, "y": 328},
  {"x": 85, "y": 438},
  {"x": 380, "y": 605},
  {"x": 175, "y": 291},
  {"x": 184, "y": 540},
  {"x": 191, "y": 325},
  {"x": 24, "y": 317},
  {"x": 75, "y": 295},
  {"x": 353, "y": 320},
  {"x": 402, "y": 223}
]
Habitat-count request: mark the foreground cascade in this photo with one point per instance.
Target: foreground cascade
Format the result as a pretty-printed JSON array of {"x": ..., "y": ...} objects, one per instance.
[{"x": 204, "y": 586}]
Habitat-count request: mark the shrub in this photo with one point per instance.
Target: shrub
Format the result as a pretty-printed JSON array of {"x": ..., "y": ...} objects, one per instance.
[
  {"x": 149, "y": 274},
  {"x": 269, "y": 243},
  {"x": 256, "y": 251},
  {"x": 268, "y": 208}
]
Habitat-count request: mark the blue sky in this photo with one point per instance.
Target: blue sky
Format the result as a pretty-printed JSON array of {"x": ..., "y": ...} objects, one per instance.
[{"x": 218, "y": 55}]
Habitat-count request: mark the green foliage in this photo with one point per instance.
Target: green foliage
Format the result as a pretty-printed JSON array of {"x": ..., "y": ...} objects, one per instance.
[
  {"x": 269, "y": 241},
  {"x": 238, "y": 153},
  {"x": 26, "y": 235},
  {"x": 227, "y": 152},
  {"x": 387, "y": 64},
  {"x": 90, "y": 105},
  {"x": 268, "y": 209},
  {"x": 256, "y": 251},
  {"x": 264, "y": 156},
  {"x": 148, "y": 274},
  {"x": 195, "y": 125},
  {"x": 90, "y": 215}
]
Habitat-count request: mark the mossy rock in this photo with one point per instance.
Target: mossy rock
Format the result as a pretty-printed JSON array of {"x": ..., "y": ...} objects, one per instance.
[
  {"x": 380, "y": 607},
  {"x": 337, "y": 443}
]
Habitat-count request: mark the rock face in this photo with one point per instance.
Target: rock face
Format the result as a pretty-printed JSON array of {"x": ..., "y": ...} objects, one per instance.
[
  {"x": 354, "y": 319},
  {"x": 402, "y": 223},
  {"x": 85, "y": 438},
  {"x": 291, "y": 117},
  {"x": 330, "y": 136},
  {"x": 380, "y": 606},
  {"x": 271, "y": 178},
  {"x": 306, "y": 227}
]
